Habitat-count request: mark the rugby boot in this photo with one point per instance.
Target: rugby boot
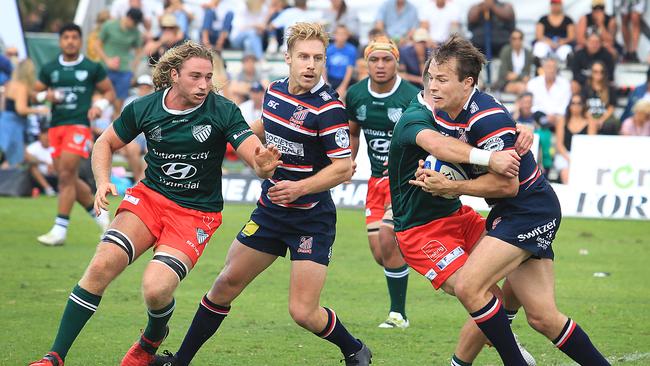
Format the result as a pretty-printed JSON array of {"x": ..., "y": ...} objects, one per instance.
[
  {"x": 51, "y": 239},
  {"x": 530, "y": 360},
  {"x": 362, "y": 357},
  {"x": 166, "y": 359},
  {"x": 143, "y": 352},
  {"x": 103, "y": 220},
  {"x": 395, "y": 320},
  {"x": 50, "y": 359}
]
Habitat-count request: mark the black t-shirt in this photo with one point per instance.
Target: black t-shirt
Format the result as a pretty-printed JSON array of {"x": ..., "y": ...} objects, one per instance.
[
  {"x": 552, "y": 31},
  {"x": 595, "y": 104}
]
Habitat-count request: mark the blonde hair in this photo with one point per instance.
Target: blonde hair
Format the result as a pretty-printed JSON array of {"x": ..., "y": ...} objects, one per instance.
[
  {"x": 642, "y": 106},
  {"x": 174, "y": 58},
  {"x": 302, "y": 31},
  {"x": 25, "y": 73}
]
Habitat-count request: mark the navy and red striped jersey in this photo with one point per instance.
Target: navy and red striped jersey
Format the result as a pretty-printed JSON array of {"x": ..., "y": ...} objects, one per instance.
[
  {"x": 485, "y": 123},
  {"x": 308, "y": 129}
]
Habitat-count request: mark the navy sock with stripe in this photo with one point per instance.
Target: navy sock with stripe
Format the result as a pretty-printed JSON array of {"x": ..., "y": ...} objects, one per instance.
[
  {"x": 511, "y": 314},
  {"x": 206, "y": 321},
  {"x": 493, "y": 322},
  {"x": 336, "y": 333},
  {"x": 575, "y": 343}
]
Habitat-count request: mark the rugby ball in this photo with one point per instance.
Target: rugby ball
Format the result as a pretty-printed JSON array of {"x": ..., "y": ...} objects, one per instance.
[{"x": 452, "y": 171}]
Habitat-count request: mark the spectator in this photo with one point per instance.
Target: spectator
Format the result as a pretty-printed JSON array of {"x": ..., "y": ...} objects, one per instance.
[
  {"x": 631, "y": 13},
  {"x": 6, "y": 67},
  {"x": 340, "y": 61},
  {"x": 170, "y": 36},
  {"x": 217, "y": 24},
  {"x": 491, "y": 23},
  {"x": 413, "y": 56},
  {"x": 398, "y": 19},
  {"x": 292, "y": 15},
  {"x": 93, "y": 37},
  {"x": 38, "y": 156},
  {"x": 36, "y": 19},
  {"x": 639, "y": 123},
  {"x": 597, "y": 21},
  {"x": 576, "y": 122},
  {"x": 523, "y": 114},
  {"x": 640, "y": 92},
  {"x": 275, "y": 8},
  {"x": 250, "y": 74},
  {"x": 248, "y": 28},
  {"x": 119, "y": 37},
  {"x": 182, "y": 14},
  {"x": 584, "y": 58},
  {"x": 340, "y": 13},
  {"x": 554, "y": 34},
  {"x": 600, "y": 97},
  {"x": 252, "y": 108},
  {"x": 13, "y": 119},
  {"x": 441, "y": 18},
  {"x": 151, "y": 10},
  {"x": 515, "y": 67},
  {"x": 551, "y": 92}
]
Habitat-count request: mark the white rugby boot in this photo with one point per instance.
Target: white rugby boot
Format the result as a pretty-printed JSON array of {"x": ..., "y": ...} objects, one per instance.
[
  {"x": 530, "y": 360},
  {"x": 53, "y": 238},
  {"x": 395, "y": 320}
]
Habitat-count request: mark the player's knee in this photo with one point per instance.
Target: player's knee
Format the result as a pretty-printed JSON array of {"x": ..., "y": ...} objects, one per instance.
[
  {"x": 541, "y": 321},
  {"x": 67, "y": 176},
  {"x": 227, "y": 284},
  {"x": 157, "y": 293},
  {"x": 301, "y": 314},
  {"x": 102, "y": 270}
]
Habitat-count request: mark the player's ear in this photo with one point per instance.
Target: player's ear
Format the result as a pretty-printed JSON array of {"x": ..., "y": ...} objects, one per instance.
[{"x": 174, "y": 75}]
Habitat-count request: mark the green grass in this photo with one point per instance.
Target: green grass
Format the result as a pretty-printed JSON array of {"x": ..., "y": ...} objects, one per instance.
[{"x": 36, "y": 281}]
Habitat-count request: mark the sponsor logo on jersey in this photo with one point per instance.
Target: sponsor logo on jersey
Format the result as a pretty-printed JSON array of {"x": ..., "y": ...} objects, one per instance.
[
  {"x": 208, "y": 221},
  {"x": 361, "y": 113},
  {"x": 537, "y": 232},
  {"x": 241, "y": 133},
  {"x": 434, "y": 250},
  {"x": 462, "y": 136},
  {"x": 473, "y": 108},
  {"x": 182, "y": 120},
  {"x": 380, "y": 145},
  {"x": 201, "y": 236},
  {"x": 496, "y": 222},
  {"x": 273, "y": 104},
  {"x": 449, "y": 258},
  {"x": 155, "y": 134},
  {"x": 81, "y": 75},
  {"x": 431, "y": 274},
  {"x": 179, "y": 171},
  {"x": 325, "y": 95},
  {"x": 394, "y": 114},
  {"x": 250, "y": 228},
  {"x": 494, "y": 144},
  {"x": 305, "y": 244},
  {"x": 285, "y": 146},
  {"x": 133, "y": 200},
  {"x": 342, "y": 138},
  {"x": 54, "y": 76},
  {"x": 202, "y": 132},
  {"x": 299, "y": 115}
]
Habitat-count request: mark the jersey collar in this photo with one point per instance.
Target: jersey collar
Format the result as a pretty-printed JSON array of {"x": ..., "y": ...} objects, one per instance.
[
  {"x": 317, "y": 86},
  {"x": 398, "y": 81},
  {"x": 71, "y": 63},
  {"x": 176, "y": 111},
  {"x": 470, "y": 98},
  {"x": 424, "y": 102}
]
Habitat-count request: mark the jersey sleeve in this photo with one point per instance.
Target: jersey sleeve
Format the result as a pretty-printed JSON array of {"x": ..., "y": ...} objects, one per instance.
[
  {"x": 236, "y": 129},
  {"x": 334, "y": 131},
  {"x": 125, "y": 125},
  {"x": 44, "y": 76},
  {"x": 492, "y": 129},
  {"x": 350, "y": 108},
  {"x": 410, "y": 131},
  {"x": 100, "y": 73}
]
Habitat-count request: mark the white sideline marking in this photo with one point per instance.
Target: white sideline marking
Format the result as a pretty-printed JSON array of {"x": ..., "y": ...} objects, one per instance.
[{"x": 636, "y": 356}]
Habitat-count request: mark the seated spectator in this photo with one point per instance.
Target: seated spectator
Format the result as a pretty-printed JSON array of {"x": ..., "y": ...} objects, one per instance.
[
  {"x": 516, "y": 65},
  {"x": 250, "y": 74},
  {"x": 441, "y": 18},
  {"x": 600, "y": 97},
  {"x": 584, "y": 58},
  {"x": 576, "y": 122},
  {"x": 293, "y": 15},
  {"x": 248, "y": 28},
  {"x": 597, "y": 21},
  {"x": 497, "y": 17},
  {"x": 182, "y": 14},
  {"x": 413, "y": 56},
  {"x": 274, "y": 9},
  {"x": 639, "y": 123},
  {"x": 640, "y": 92},
  {"x": 554, "y": 34},
  {"x": 340, "y": 14},
  {"x": 631, "y": 13},
  {"x": 398, "y": 19},
  {"x": 38, "y": 156},
  {"x": 551, "y": 92},
  {"x": 340, "y": 61},
  {"x": 13, "y": 119},
  {"x": 170, "y": 36},
  {"x": 217, "y": 24},
  {"x": 523, "y": 114},
  {"x": 252, "y": 108}
]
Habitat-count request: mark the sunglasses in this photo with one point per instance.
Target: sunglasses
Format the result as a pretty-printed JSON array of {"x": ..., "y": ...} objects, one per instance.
[{"x": 598, "y": 7}]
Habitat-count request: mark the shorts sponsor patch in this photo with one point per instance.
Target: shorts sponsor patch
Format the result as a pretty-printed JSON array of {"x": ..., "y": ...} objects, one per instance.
[
  {"x": 305, "y": 244},
  {"x": 434, "y": 250},
  {"x": 250, "y": 228},
  {"x": 449, "y": 258},
  {"x": 133, "y": 200},
  {"x": 431, "y": 274},
  {"x": 201, "y": 236},
  {"x": 368, "y": 212}
]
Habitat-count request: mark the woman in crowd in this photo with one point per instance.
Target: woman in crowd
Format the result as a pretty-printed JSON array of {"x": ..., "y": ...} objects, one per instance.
[
  {"x": 639, "y": 123},
  {"x": 555, "y": 33},
  {"x": 340, "y": 13},
  {"x": 600, "y": 96}
]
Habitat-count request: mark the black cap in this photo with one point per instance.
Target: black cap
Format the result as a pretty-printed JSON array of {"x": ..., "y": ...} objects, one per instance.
[
  {"x": 135, "y": 14},
  {"x": 256, "y": 87}
]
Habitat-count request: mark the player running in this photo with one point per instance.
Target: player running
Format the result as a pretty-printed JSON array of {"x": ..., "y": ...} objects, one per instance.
[
  {"x": 304, "y": 118},
  {"x": 176, "y": 208},
  {"x": 374, "y": 105},
  {"x": 69, "y": 83},
  {"x": 521, "y": 225}
]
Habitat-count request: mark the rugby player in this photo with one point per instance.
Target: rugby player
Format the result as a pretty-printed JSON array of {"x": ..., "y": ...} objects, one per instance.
[
  {"x": 69, "y": 83},
  {"x": 176, "y": 208}
]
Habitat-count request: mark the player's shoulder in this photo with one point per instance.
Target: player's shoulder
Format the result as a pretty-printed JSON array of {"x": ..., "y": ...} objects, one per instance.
[
  {"x": 417, "y": 111},
  {"x": 407, "y": 88},
  {"x": 484, "y": 107},
  {"x": 359, "y": 88},
  {"x": 51, "y": 65}
]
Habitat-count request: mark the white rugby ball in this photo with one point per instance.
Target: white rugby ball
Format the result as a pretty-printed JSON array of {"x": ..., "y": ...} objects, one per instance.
[{"x": 452, "y": 171}]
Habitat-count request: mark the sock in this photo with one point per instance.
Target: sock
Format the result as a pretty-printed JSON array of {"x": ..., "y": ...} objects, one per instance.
[
  {"x": 91, "y": 210},
  {"x": 60, "y": 227},
  {"x": 575, "y": 343},
  {"x": 80, "y": 307},
  {"x": 336, "y": 333},
  {"x": 206, "y": 321},
  {"x": 455, "y": 361},
  {"x": 157, "y": 325},
  {"x": 511, "y": 314},
  {"x": 397, "y": 280},
  {"x": 494, "y": 323}
]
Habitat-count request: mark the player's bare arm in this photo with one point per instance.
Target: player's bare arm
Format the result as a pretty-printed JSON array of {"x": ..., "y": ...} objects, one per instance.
[
  {"x": 355, "y": 132},
  {"x": 489, "y": 185},
  {"x": 287, "y": 191},
  {"x": 258, "y": 129},
  {"x": 105, "y": 88},
  {"x": 524, "y": 139},
  {"x": 262, "y": 159},
  {"x": 102, "y": 158}
]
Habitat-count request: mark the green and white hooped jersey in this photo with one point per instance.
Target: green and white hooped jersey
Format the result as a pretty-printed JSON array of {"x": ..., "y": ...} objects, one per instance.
[
  {"x": 185, "y": 148},
  {"x": 377, "y": 114}
]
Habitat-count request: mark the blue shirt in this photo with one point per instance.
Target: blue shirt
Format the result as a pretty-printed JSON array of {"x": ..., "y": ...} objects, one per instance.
[
  {"x": 217, "y": 20},
  {"x": 398, "y": 24},
  {"x": 338, "y": 60}
]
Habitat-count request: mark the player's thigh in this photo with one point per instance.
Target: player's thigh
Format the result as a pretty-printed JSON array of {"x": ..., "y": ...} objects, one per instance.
[
  {"x": 68, "y": 163},
  {"x": 243, "y": 264},
  {"x": 128, "y": 230},
  {"x": 533, "y": 283},
  {"x": 306, "y": 283}
]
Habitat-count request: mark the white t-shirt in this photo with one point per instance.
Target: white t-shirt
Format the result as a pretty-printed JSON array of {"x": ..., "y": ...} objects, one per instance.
[
  {"x": 43, "y": 155},
  {"x": 553, "y": 100},
  {"x": 440, "y": 19},
  {"x": 243, "y": 19},
  {"x": 250, "y": 113},
  {"x": 291, "y": 16}
]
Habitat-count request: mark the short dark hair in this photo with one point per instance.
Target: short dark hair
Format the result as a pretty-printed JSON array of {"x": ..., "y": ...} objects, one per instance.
[
  {"x": 135, "y": 14},
  {"x": 70, "y": 27},
  {"x": 647, "y": 74},
  {"x": 469, "y": 60},
  {"x": 524, "y": 95}
]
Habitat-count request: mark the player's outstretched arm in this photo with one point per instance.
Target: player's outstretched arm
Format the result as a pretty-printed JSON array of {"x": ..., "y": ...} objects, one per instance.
[
  {"x": 107, "y": 143},
  {"x": 258, "y": 129},
  {"x": 262, "y": 159},
  {"x": 489, "y": 185}
]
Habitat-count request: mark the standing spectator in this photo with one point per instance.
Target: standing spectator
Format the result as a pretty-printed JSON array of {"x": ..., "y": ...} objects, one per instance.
[
  {"x": 292, "y": 15},
  {"x": 491, "y": 23},
  {"x": 577, "y": 121},
  {"x": 551, "y": 92},
  {"x": 340, "y": 13},
  {"x": 13, "y": 120},
  {"x": 640, "y": 92},
  {"x": 38, "y": 156},
  {"x": 398, "y": 19},
  {"x": 554, "y": 33},
  {"x": 515, "y": 67},
  {"x": 597, "y": 21},
  {"x": 523, "y": 114},
  {"x": 631, "y": 13},
  {"x": 170, "y": 36},
  {"x": 93, "y": 37},
  {"x": 119, "y": 37},
  {"x": 275, "y": 8},
  {"x": 252, "y": 108},
  {"x": 248, "y": 28},
  {"x": 217, "y": 24},
  {"x": 584, "y": 58},
  {"x": 151, "y": 10},
  {"x": 441, "y": 18},
  {"x": 340, "y": 61},
  {"x": 182, "y": 14},
  {"x": 639, "y": 123},
  {"x": 600, "y": 97},
  {"x": 413, "y": 56}
]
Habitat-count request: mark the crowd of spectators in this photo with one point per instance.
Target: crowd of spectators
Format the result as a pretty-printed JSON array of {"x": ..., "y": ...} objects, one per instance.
[{"x": 132, "y": 35}]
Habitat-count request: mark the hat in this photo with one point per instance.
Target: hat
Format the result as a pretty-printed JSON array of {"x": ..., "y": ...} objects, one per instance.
[
  {"x": 381, "y": 43},
  {"x": 168, "y": 21},
  {"x": 421, "y": 35},
  {"x": 257, "y": 87},
  {"x": 556, "y": 1},
  {"x": 144, "y": 80},
  {"x": 595, "y": 3}
]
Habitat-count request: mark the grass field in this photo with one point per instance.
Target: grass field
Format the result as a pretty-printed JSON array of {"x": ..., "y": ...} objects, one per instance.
[{"x": 36, "y": 281}]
